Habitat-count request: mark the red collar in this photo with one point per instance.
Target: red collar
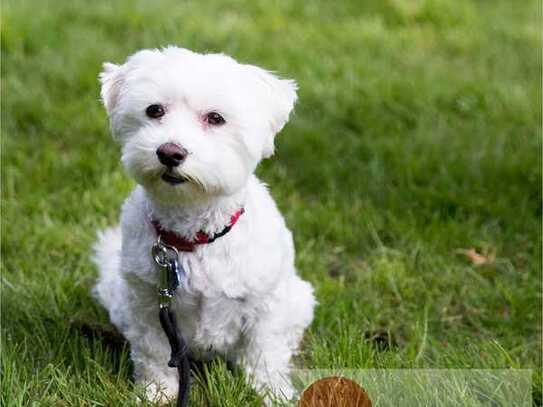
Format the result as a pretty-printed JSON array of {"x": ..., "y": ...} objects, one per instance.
[{"x": 184, "y": 245}]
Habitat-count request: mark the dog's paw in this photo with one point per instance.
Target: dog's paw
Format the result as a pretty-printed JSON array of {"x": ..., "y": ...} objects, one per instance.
[
  {"x": 159, "y": 393},
  {"x": 278, "y": 392}
]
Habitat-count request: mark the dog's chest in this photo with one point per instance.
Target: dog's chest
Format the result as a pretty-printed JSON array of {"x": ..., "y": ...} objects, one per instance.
[
  {"x": 211, "y": 308},
  {"x": 213, "y": 271}
]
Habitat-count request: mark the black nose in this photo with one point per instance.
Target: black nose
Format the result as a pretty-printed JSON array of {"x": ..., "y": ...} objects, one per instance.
[{"x": 170, "y": 154}]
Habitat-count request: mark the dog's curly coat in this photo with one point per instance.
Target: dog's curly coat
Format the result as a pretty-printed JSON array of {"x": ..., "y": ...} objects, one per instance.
[{"x": 242, "y": 298}]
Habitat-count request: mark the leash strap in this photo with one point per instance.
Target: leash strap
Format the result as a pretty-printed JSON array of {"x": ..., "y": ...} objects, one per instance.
[
  {"x": 179, "y": 358},
  {"x": 171, "y": 275}
]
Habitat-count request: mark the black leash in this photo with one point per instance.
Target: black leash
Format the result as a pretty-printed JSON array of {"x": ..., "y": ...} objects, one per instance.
[
  {"x": 171, "y": 273},
  {"x": 179, "y": 357}
]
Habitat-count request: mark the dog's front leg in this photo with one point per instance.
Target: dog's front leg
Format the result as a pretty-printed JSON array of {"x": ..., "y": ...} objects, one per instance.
[
  {"x": 150, "y": 352},
  {"x": 265, "y": 359}
]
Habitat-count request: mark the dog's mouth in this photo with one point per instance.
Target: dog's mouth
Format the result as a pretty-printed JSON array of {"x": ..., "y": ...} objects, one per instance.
[{"x": 172, "y": 178}]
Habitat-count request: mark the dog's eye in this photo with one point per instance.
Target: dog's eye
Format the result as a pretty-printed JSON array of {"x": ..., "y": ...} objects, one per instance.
[
  {"x": 155, "y": 111},
  {"x": 214, "y": 119}
]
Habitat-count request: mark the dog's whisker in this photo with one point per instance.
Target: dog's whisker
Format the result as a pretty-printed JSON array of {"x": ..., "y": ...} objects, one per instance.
[{"x": 195, "y": 180}]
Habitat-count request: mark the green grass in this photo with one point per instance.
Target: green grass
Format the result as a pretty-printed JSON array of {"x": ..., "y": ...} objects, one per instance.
[{"x": 418, "y": 132}]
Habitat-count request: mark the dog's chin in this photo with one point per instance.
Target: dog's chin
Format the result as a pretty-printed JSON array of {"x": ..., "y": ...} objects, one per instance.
[{"x": 172, "y": 188}]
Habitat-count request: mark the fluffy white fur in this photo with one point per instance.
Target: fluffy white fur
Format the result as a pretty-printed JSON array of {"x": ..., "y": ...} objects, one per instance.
[{"x": 242, "y": 299}]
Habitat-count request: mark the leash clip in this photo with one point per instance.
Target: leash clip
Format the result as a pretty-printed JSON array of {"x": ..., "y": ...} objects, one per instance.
[{"x": 167, "y": 258}]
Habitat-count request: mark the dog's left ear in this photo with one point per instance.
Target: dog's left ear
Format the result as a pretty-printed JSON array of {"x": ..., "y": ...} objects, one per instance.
[
  {"x": 110, "y": 78},
  {"x": 279, "y": 96}
]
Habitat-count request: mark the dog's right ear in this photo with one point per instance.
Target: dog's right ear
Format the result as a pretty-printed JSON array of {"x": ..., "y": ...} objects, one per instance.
[{"x": 111, "y": 79}]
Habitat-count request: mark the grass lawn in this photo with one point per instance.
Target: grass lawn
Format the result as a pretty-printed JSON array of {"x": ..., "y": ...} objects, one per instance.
[{"x": 417, "y": 133}]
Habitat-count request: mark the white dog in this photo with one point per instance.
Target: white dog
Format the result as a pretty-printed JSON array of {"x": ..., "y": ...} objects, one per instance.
[{"x": 193, "y": 128}]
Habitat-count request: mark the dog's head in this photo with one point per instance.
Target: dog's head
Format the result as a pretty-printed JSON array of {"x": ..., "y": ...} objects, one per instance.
[{"x": 190, "y": 124}]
